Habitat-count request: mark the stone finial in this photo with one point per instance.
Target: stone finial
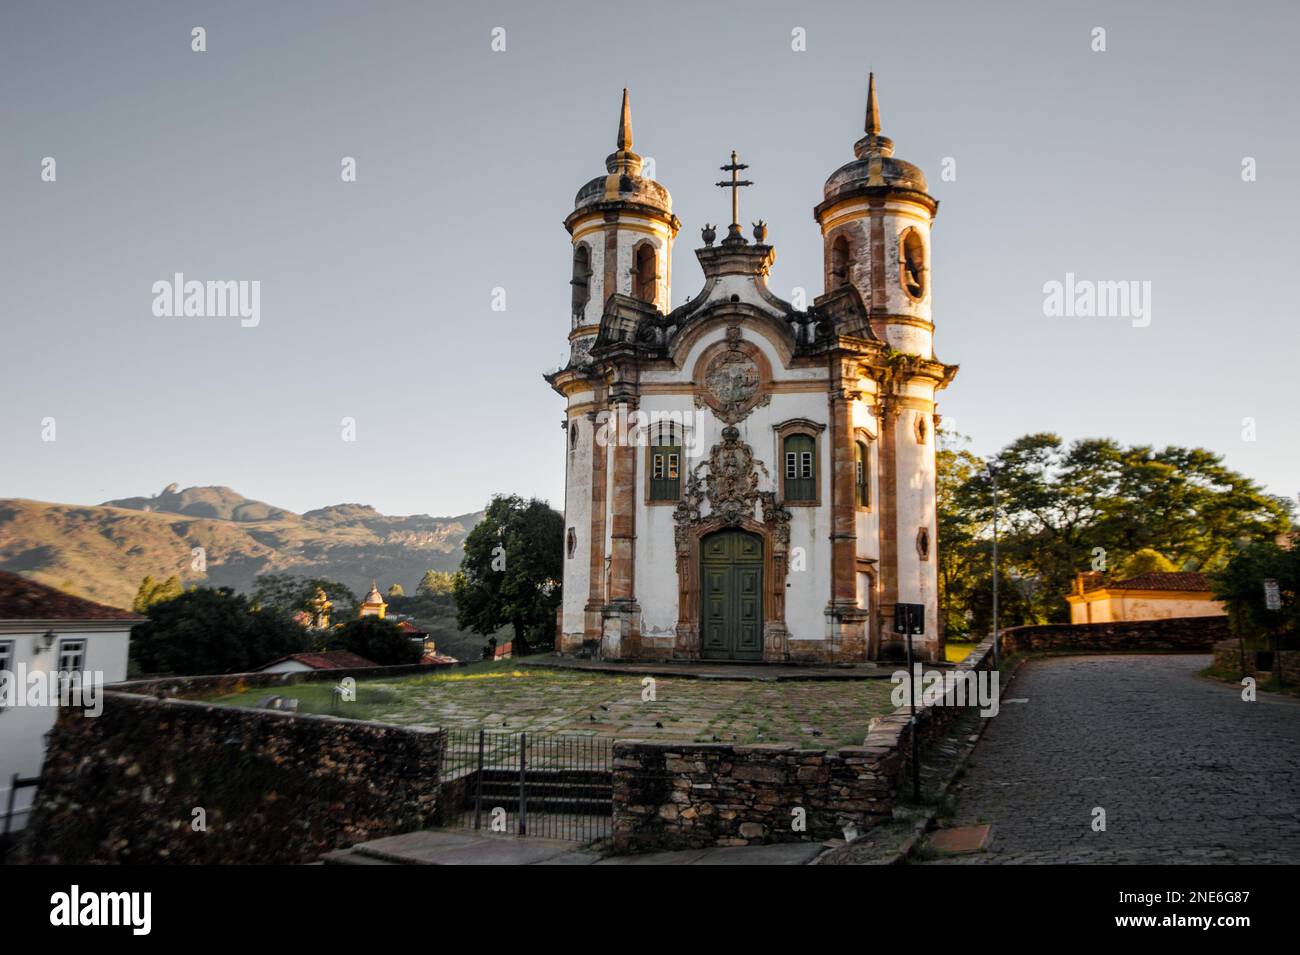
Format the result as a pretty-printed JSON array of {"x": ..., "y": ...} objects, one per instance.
[
  {"x": 872, "y": 125},
  {"x": 622, "y": 161},
  {"x": 709, "y": 233},
  {"x": 760, "y": 231},
  {"x": 625, "y": 124}
]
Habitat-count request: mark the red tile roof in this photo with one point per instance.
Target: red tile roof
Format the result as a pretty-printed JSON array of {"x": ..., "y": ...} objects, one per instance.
[
  {"x": 1164, "y": 580},
  {"x": 24, "y": 599},
  {"x": 327, "y": 660}
]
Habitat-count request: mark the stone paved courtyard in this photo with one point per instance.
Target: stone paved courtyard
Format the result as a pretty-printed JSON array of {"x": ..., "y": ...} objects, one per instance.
[
  {"x": 1186, "y": 771},
  {"x": 512, "y": 698}
]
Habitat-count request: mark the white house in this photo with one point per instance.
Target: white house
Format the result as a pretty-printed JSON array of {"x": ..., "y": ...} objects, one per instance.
[
  {"x": 749, "y": 478},
  {"x": 45, "y": 631}
]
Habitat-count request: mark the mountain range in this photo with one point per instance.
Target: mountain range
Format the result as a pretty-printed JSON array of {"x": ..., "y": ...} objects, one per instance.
[{"x": 103, "y": 551}]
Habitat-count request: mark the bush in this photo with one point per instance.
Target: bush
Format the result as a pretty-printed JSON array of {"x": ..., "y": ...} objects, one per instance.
[{"x": 379, "y": 641}]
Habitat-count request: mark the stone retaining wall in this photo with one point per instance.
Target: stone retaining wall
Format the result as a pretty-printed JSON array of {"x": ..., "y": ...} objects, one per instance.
[
  {"x": 693, "y": 795},
  {"x": 224, "y": 684},
  {"x": 1228, "y": 653},
  {"x": 275, "y": 787},
  {"x": 1176, "y": 635}
]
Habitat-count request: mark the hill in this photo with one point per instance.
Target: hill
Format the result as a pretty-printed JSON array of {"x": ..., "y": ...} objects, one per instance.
[{"x": 102, "y": 551}]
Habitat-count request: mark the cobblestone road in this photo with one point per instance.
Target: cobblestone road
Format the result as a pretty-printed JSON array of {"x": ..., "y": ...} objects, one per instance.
[{"x": 1185, "y": 770}]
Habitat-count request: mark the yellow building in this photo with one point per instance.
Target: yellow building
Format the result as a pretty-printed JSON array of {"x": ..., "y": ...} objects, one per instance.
[
  {"x": 1157, "y": 595},
  {"x": 374, "y": 605}
]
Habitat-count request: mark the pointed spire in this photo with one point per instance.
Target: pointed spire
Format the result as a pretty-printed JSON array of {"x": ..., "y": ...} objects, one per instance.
[
  {"x": 622, "y": 161},
  {"x": 873, "y": 144},
  {"x": 625, "y": 124},
  {"x": 873, "y": 107}
]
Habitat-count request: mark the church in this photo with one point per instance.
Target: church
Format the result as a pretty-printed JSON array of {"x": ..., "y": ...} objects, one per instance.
[{"x": 748, "y": 480}]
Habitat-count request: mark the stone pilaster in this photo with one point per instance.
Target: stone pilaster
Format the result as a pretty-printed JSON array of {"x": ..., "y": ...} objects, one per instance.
[{"x": 845, "y": 617}]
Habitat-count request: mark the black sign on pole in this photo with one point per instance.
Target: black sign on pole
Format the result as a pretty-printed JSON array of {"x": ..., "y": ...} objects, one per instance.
[{"x": 909, "y": 619}]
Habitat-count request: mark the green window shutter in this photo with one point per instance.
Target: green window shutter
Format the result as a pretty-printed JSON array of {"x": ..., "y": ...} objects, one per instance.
[
  {"x": 665, "y": 473},
  {"x": 800, "y": 468}
]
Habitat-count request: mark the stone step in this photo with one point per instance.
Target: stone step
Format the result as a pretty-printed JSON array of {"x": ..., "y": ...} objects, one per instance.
[{"x": 567, "y": 805}]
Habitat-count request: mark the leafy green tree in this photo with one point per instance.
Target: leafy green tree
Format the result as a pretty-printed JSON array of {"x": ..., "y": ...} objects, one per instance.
[
  {"x": 1240, "y": 585},
  {"x": 1145, "y": 561},
  {"x": 510, "y": 574},
  {"x": 156, "y": 591},
  {"x": 436, "y": 583},
  {"x": 1092, "y": 505},
  {"x": 963, "y": 556},
  {"x": 396, "y": 591},
  {"x": 379, "y": 641},
  {"x": 291, "y": 594},
  {"x": 206, "y": 630}
]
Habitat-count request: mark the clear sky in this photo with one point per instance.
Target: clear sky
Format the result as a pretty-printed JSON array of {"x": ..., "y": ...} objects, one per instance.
[{"x": 1123, "y": 165}]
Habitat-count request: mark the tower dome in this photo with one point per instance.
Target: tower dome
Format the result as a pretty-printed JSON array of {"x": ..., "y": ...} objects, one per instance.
[
  {"x": 622, "y": 228},
  {"x": 622, "y": 186},
  {"x": 876, "y": 169}
]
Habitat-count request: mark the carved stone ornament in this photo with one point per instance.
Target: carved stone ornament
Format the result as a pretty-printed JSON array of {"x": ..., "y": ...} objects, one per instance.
[
  {"x": 728, "y": 480},
  {"x": 732, "y": 384}
]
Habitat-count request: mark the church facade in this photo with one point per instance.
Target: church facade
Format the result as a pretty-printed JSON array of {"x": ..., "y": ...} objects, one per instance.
[{"x": 748, "y": 480}]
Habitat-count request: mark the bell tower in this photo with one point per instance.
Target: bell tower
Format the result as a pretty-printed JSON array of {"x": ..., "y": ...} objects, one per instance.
[
  {"x": 622, "y": 228},
  {"x": 875, "y": 221}
]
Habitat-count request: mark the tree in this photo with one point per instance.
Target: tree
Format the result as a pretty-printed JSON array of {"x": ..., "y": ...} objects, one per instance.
[
  {"x": 1091, "y": 505},
  {"x": 1146, "y": 561},
  {"x": 436, "y": 583},
  {"x": 510, "y": 574},
  {"x": 963, "y": 556},
  {"x": 291, "y": 594},
  {"x": 206, "y": 630},
  {"x": 154, "y": 591},
  {"x": 378, "y": 640},
  {"x": 396, "y": 591},
  {"x": 1240, "y": 585}
]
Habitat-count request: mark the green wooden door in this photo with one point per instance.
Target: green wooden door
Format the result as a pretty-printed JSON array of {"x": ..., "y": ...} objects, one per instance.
[{"x": 731, "y": 608}]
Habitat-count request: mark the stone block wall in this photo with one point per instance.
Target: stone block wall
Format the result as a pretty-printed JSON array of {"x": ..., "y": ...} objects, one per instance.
[
  {"x": 687, "y": 796},
  {"x": 1175, "y": 634},
  {"x": 274, "y": 787},
  {"x": 1228, "y": 653},
  {"x": 223, "y": 684}
]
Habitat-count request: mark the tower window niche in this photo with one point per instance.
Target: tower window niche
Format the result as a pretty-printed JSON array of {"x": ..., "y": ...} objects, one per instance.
[
  {"x": 645, "y": 273},
  {"x": 911, "y": 264},
  {"x": 840, "y": 262},
  {"x": 581, "y": 281},
  {"x": 862, "y": 487}
]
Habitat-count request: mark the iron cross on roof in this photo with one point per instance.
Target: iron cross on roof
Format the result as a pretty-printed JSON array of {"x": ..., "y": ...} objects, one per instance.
[{"x": 734, "y": 167}]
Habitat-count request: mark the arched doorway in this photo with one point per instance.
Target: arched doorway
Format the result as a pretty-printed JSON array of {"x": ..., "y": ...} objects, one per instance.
[{"x": 731, "y": 596}]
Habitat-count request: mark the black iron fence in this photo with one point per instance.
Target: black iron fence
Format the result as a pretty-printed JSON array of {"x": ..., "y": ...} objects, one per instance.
[{"x": 553, "y": 787}]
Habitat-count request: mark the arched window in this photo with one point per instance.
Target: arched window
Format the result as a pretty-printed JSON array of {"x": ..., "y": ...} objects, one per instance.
[
  {"x": 581, "y": 281},
  {"x": 840, "y": 262},
  {"x": 664, "y": 484},
  {"x": 800, "y": 468},
  {"x": 645, "y": 273},
  {"x": 862, "y": 462},
  {"x": 911, "y": 263}
]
